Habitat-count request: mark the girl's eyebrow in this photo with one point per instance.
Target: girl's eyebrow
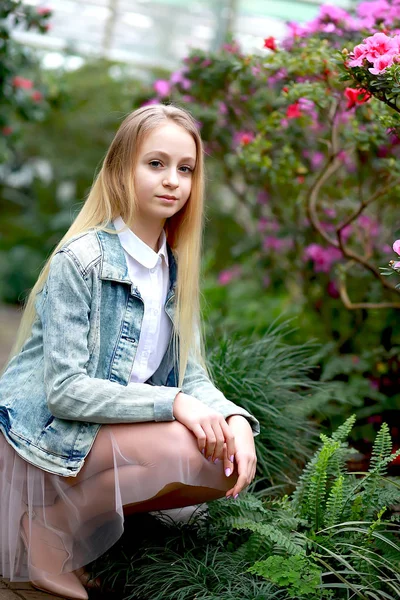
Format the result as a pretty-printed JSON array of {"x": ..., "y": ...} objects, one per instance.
[{"x": 166, "y": 155}]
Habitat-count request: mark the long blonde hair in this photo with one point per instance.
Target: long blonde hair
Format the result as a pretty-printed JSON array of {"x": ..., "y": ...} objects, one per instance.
[{"x": 113, "y": 194}]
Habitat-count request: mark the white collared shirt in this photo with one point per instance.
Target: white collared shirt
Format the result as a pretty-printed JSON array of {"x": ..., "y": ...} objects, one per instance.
[{"x": 149, "y": 271}]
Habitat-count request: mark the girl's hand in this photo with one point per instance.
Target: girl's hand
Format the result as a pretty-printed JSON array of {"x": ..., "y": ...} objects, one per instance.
[
  {"x": 245, "y": 456},
  {"x": 210, "y": 428}
]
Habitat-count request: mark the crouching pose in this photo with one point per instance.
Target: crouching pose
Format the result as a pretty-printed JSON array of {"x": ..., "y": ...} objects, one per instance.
[{"x": 106, "y": 407}]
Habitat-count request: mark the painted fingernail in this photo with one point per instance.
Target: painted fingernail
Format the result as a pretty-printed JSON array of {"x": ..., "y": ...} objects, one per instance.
[
  {"x": 236, "y": 496},
  {"x": 203, "y": 451},
  {"x": 216, "y": 460},
  {"x": 231, "y": 458},
  {"x": 209, "y": 458},
  {"x": 227, "y": 497},
  {"x": 228, "y": 472}
]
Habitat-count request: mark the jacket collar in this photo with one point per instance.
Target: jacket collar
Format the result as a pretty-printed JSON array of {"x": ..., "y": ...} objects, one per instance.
[{"x": 114, "y": 266}]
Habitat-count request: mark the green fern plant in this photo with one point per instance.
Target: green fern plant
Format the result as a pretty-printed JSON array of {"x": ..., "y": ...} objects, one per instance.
[{"x": 332, "y": 535}]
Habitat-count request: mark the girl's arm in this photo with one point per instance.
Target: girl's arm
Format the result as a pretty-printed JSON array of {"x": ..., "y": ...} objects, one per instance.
[{"x": 64, "y": 307}]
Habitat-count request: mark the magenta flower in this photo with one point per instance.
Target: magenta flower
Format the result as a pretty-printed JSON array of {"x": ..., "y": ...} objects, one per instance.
[
  {"x": 323, "y": 258},
  {"x": 378, "y": 49},
  {"x": 396, "y": 247},
  {"x": 162, "y": 87},
  {"x": 333, "y": 290},
  {"x": 228, "y": 275},
  {"x": 243, "y": 137},
  {"x": 382, "y": 63}
]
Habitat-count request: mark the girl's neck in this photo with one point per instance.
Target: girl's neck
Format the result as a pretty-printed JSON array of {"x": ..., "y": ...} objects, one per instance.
[{"x": 148, "y": 233}]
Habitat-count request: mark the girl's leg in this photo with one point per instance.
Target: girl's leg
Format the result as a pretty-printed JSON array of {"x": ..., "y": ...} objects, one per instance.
[{"x": 157, "y": 466}]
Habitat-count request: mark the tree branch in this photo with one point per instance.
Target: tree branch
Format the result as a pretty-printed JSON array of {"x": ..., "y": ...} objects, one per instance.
[{"x": 312, "y": 201}]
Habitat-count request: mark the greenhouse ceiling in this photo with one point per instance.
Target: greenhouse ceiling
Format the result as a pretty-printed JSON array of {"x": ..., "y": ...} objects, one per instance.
[{"x": 149, "y": 32}]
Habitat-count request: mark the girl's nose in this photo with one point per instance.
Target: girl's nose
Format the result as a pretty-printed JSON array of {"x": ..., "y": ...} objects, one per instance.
[{"x": 171, "y": 178}]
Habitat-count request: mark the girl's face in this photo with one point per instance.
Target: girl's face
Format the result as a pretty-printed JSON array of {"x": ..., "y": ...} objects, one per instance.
[{"x": 164, "y": 168}]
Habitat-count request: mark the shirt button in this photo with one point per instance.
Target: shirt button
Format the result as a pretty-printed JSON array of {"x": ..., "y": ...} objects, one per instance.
[
  {"x": 152, "y": 270},
  {"x": 155, "y": 311}
]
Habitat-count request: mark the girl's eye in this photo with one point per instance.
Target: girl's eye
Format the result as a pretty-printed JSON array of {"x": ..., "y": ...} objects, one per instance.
[{"x": 188, "y": 169}]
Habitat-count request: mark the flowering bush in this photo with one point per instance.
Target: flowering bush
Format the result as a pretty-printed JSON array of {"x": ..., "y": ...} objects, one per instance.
[
  {"x": 310, "y": 163},
  {"x": 21, "y": 96}
]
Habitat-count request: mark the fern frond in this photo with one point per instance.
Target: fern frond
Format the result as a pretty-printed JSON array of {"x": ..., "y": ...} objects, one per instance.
[
  {"x": 334, "y": 503},
  {"x": 381, "y": 450},
  {"x": 280, "y": 538},
  {"x": 343, "y": 432}
]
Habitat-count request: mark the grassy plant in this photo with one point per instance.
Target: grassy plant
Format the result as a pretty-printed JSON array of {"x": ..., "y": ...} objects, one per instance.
[{"x": 271, "y": 379}]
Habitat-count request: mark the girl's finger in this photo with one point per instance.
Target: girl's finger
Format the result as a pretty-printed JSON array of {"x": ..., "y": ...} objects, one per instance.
[
  {"x": 210, "y": 442},
  {"x": 219, "y": 445},
  {"x": 241, "y": 483},
  {"x": 200, "y": 434},
  {"x": 229, "y": 439},
  {"x": 228, "y": 464}
]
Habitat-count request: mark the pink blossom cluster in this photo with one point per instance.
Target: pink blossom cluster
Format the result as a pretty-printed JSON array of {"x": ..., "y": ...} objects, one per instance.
[
  {"x": 27, "y": 84},
  {"x": 379, "y": 49},
  {"x": 370, "y": 15},
  {"x": 323, "y": 258},
  {"x": 384, "y": 11}
]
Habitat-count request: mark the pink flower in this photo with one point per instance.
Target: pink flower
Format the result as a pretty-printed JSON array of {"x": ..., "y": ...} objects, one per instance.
[
  {"x": 271, "y": 242},
  {"x": 243, "y": 137},
  {"x": 262, "y": 224},
  {"x": 228, "y": 275},
  {"x": 380, "y": 44},
  {"x": 396, "y": 265},
  {"x": 162, "y": 87},
  {"x": 21, "y": 82},
  {"x": 43, "y": 11},
  {"x": 359, "y": 54},
  {"x": 36, "y": 96},
  {"x": 330, "y": 212},
  {"x": 381, "y": 63},
  {"x": 222, "y": 108},
  {"x": 150, "y": 101},
  {"x": 7, "y": 130},
  {"x": 323, "y": 258},
  {"x": 369, "y": 224},
  {"x": 178, "y": 77},
  {"x": 396, "y": 247}
]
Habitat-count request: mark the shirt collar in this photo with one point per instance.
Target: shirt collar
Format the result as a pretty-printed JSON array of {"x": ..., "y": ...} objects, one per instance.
[{"x": 138, "y": 249}]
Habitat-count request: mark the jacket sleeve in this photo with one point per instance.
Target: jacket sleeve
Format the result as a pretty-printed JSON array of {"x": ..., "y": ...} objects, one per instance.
[
  {"x": 71, "y": 393},
  {"x": 198, "y": 384}
]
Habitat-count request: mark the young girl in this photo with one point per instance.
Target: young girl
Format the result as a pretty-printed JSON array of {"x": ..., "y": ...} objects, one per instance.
[{"x": 106, "y": 407}]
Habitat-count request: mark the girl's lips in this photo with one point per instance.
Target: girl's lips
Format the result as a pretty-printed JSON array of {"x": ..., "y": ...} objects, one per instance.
[{"x": 167, "y": 199}]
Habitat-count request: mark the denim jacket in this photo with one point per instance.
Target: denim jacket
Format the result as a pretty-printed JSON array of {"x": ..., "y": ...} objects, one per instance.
[{"x": 73, "y": 373}]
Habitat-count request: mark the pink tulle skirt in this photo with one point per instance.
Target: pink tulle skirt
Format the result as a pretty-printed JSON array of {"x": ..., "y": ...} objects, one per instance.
[{"x": 84, "y": 515}]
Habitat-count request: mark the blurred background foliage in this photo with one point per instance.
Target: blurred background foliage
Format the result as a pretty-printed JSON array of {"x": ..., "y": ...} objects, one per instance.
[{"x": 266, "y": 120}]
